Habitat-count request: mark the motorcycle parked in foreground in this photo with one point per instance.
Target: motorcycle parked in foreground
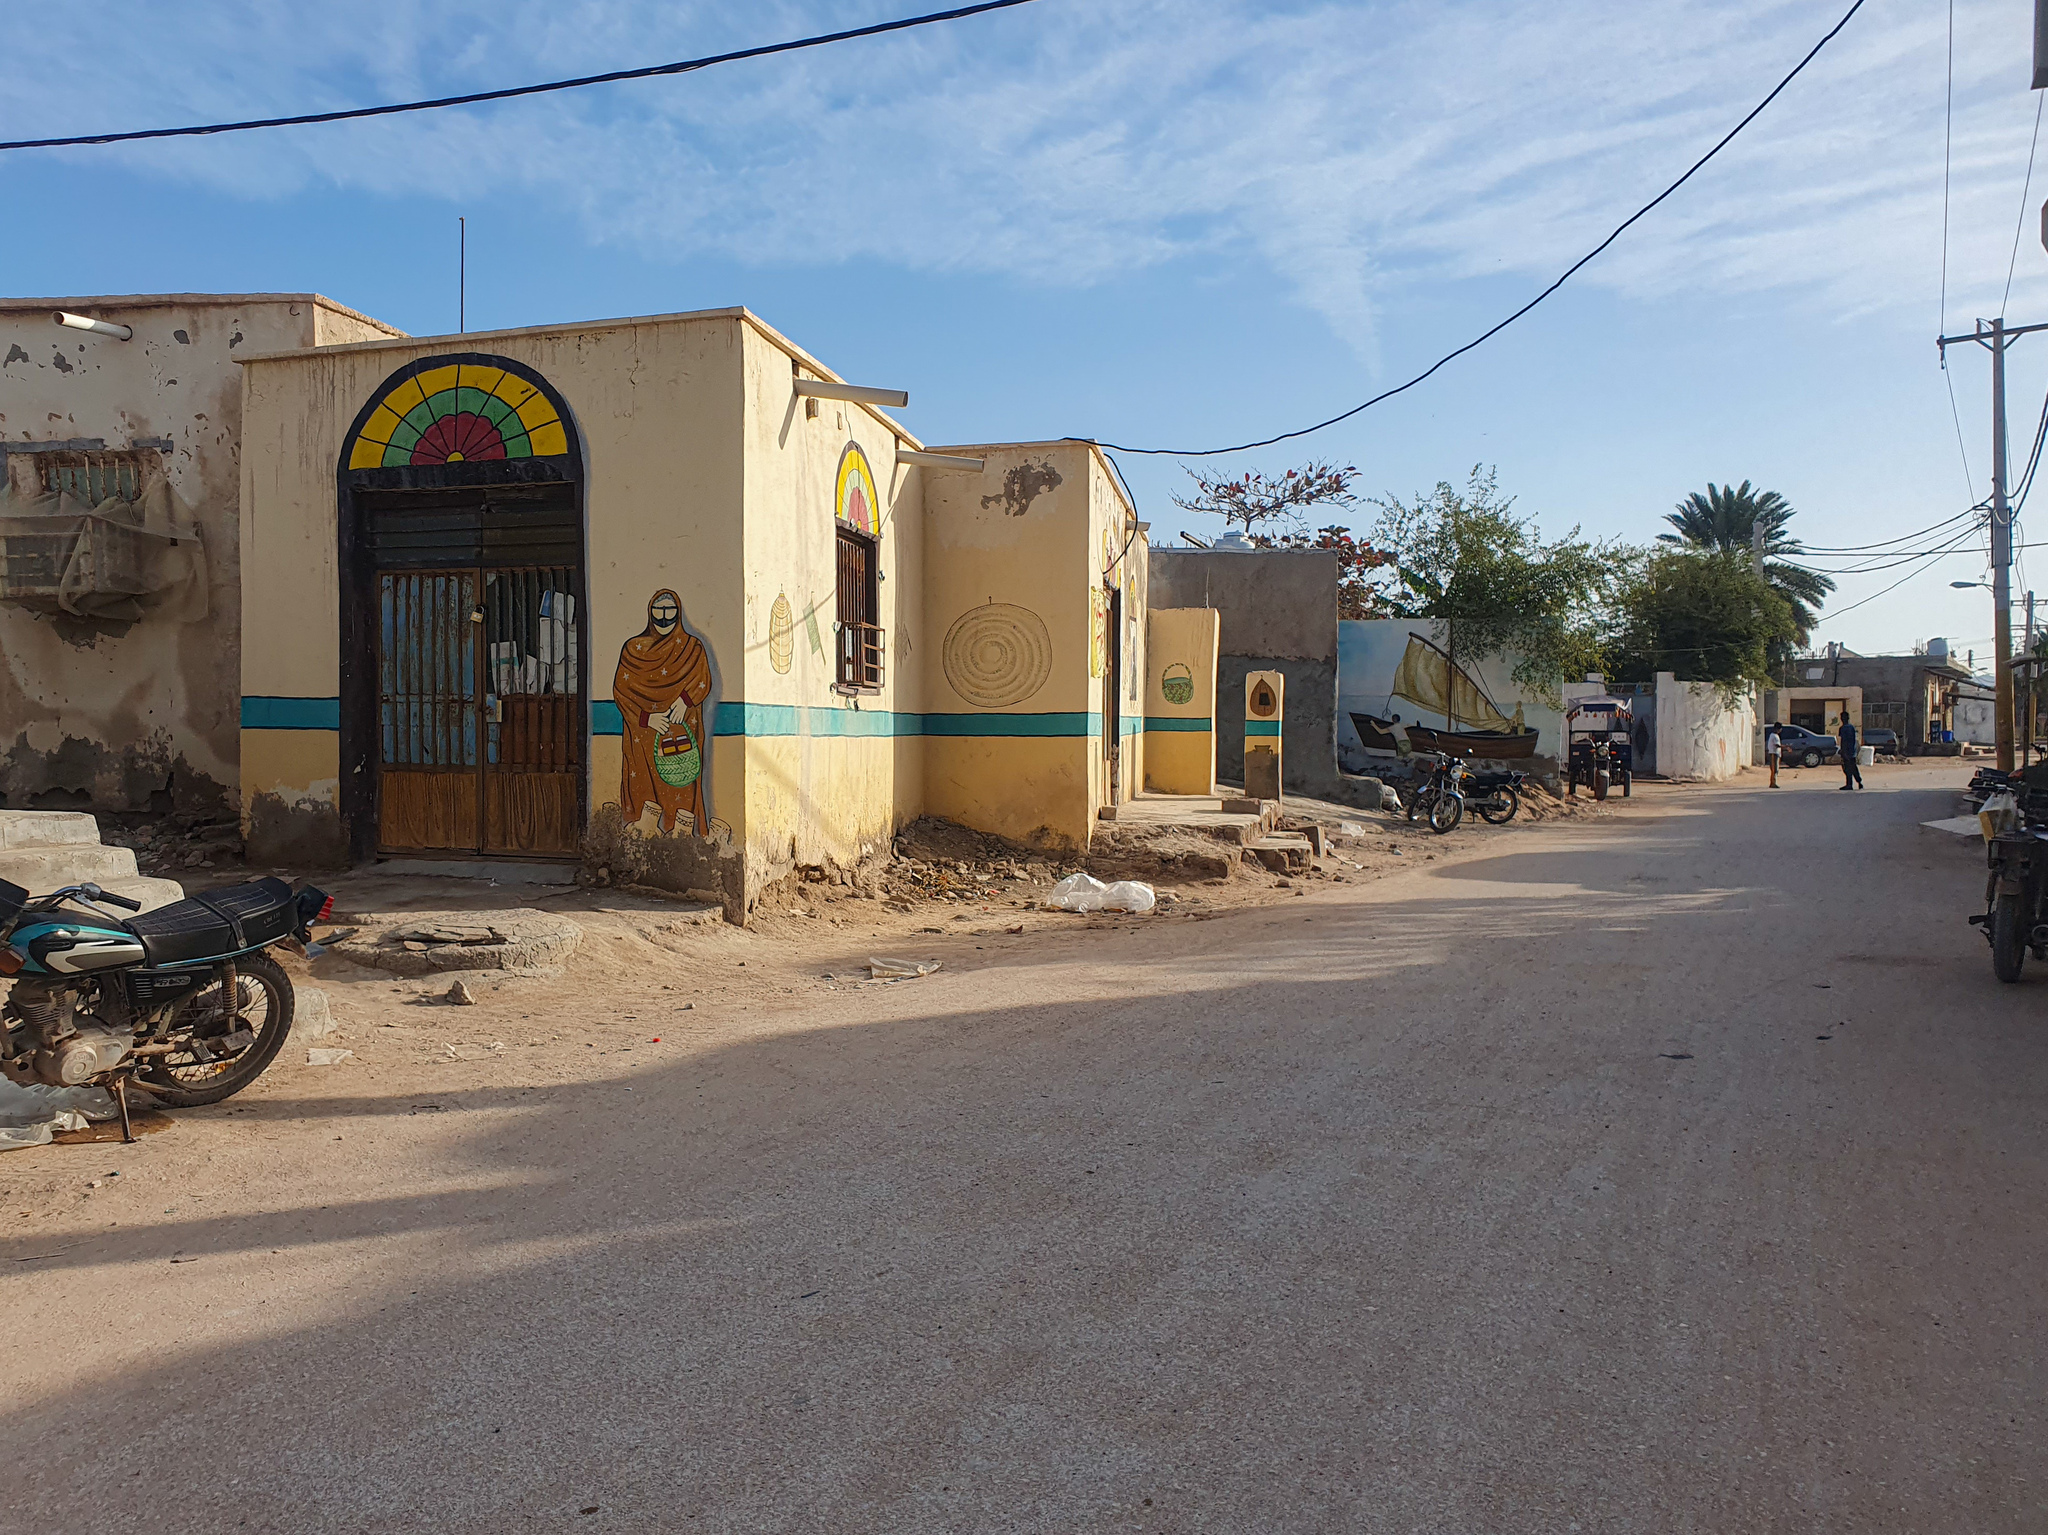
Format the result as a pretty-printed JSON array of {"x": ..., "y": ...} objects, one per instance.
[
  {"x": 1438, "y": 796},
  {"x": 183, "y": 1000}
]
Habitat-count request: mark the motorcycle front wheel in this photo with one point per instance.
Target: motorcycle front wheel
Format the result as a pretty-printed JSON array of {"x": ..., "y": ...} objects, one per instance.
[
  {"x": 2008, "y": 938},
  {"x": 262, "y": 1005},
  {"x": 1499, "y": 807},
  {"x": 1446, "y": 813}
]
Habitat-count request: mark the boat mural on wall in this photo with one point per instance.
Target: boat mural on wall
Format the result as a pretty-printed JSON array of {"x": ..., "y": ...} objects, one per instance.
[{"x": 1395, "y": 674}]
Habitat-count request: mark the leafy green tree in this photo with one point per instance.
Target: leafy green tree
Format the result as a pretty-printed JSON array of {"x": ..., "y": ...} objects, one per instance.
[
  {"x": 1726, "y": 519},
  {"x": 1701, "y": 614},
  {"x": 1464, "y": 557}
]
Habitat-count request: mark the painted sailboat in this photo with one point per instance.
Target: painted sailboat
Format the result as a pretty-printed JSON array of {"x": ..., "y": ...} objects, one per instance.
[{"x": 1473, "y": 724}]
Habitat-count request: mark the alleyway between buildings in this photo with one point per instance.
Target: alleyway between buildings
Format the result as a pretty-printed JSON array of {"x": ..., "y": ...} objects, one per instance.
[{"x": 1674, "y": 1169}]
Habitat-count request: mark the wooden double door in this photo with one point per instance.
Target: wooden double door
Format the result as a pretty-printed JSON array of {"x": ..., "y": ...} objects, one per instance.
[{"x": 480, "y": 710}]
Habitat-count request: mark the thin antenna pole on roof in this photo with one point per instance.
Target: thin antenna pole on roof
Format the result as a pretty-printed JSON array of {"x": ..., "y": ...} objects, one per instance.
[{"x": 461, "y": 275}]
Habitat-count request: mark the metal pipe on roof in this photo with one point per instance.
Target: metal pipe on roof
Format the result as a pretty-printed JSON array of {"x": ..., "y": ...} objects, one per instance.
[
  {"x": 97, "y": 327},
  {"x": 940, "y": 460},
  {"x": 853, "y": 394}
]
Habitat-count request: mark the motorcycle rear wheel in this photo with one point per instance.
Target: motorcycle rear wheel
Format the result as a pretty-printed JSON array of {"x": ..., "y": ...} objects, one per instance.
[
  {"x": 1499, "y": 807},
  {"x": 2008, "y": 939},
  {"x": 191, "y": 1082}
]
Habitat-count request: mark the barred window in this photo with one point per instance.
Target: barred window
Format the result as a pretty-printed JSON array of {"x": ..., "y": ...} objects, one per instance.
[
  {"x": 861, "y": 639},
  {"x": 94, "y": 477}
]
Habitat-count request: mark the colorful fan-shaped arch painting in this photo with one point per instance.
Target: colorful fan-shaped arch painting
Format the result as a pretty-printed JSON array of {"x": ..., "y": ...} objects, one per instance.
[
  {"x": 454, "y": 412},
  {"x": 855, "y": 502}
]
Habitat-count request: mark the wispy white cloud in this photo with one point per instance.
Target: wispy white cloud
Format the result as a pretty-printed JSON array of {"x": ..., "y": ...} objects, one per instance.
[{"x": 1358, "y": 150}]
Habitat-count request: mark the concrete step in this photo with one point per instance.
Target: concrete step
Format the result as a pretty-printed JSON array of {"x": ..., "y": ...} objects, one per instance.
[
  {"x": 40, "y": 870},
  {"x": 47, "y": 828},
  {"x": 1283, "y": 851}
]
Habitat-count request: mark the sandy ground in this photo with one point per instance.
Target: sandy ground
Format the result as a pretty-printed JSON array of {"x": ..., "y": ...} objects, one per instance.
[{"x": 1672, "y": 1169}]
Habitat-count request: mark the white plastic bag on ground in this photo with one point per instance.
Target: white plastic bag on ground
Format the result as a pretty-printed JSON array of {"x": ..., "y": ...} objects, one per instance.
[
  {"x": 1085, "y": 893},
  {"x": 31, "y": 1113},
  {"x": 1077, "y": 892}
]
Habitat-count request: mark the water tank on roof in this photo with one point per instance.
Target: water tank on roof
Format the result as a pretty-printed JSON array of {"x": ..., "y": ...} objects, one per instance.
[{"x": 1937, "y": 650}]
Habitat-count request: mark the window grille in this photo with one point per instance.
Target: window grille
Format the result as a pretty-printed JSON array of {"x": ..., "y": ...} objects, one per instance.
[{"x": 93, "y": 477}]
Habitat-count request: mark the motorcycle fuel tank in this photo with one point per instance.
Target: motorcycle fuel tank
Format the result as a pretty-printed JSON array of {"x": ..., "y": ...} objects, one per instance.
[{"x": 72, "y": 947}]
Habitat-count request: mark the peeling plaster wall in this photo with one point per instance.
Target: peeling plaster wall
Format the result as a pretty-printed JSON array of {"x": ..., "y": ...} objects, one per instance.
[{"x": 115, "y": 716}]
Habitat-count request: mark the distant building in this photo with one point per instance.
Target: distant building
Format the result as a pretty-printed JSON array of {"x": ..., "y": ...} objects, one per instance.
[{"x": 1915, "y": 695}]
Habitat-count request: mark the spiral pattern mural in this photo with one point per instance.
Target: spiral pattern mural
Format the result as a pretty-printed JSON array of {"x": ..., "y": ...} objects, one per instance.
[{"x": 997, "y": 655}]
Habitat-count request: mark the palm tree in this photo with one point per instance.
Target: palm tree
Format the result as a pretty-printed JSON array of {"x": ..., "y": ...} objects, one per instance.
[{"x": 1728, "y": 519}]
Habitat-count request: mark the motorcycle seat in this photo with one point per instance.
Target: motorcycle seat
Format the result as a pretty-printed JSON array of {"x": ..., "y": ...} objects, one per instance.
[{"x": 216, "y": 924}]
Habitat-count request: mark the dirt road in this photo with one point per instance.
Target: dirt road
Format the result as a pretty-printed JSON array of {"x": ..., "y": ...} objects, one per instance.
[{"x": 1676, "y": 1171}]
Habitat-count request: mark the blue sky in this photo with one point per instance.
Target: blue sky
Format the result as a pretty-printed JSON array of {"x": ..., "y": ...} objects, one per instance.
[{"x": 1151, "y": 222}]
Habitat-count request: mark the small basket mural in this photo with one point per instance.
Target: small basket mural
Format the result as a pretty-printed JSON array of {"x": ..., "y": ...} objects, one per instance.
[
  {"x": 677, "y": 759},
  {"x": 1178, "y": 683}
]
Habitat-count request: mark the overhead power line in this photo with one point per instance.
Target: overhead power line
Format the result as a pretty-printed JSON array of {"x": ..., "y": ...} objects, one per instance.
[
  {"x": 648, "y": 72},
  {"x": 1569, "y": 272},
  {"x": 1882, "y": 543}
]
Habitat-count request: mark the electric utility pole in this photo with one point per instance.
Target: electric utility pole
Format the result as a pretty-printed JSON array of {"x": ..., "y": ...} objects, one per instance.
[{"x": 1997, "y": 337}]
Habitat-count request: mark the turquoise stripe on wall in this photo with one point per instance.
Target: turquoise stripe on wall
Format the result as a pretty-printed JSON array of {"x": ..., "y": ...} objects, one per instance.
[
  {"x": 766, "y": 721},
  {"x": 1262, "y": 727},
  {"x": 272, "y": 713},
  {"x": 1066, "y": 724},
  {"x": 760, "y": 721},
  {"x": 1170, "y": 722}
]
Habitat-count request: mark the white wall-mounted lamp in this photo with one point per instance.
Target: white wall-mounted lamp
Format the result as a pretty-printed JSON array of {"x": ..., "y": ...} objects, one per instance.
[
  {"x": 939, "y": 460},
  {"x": 854, "y": 394},
  {"x": 97, "y": 327}
]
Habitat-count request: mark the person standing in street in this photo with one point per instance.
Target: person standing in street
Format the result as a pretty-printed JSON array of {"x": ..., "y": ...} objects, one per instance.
[
  {"x": 1774, "y": 751},
  {"x": 1852, "y": 772}
]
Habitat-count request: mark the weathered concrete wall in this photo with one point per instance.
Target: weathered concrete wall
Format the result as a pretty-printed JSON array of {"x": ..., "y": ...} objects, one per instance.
[
  {"x": 1976, "y": 720},
  {"x": 1278, "y": 612},
  {"x": 1699, "y": 737},
  {"x": 111, "y": 713}
]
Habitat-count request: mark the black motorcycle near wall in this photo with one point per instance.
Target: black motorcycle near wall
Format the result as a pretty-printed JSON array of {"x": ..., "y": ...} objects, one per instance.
[
  {"x": 2016, "y": 855},
  {"x": 183, "y": 1001}
]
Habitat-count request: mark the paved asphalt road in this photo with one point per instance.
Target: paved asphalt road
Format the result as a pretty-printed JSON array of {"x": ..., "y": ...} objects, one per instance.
[{"x": 1521, "y": 1195}]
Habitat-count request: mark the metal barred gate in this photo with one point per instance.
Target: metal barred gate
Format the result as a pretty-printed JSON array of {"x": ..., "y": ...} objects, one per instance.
[{"x": 480, "y": 719}]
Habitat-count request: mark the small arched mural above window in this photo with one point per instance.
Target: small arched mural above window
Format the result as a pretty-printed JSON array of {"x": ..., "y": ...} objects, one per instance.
[
  {"x": 444, "y": 410},
  {"x": 854, "y": 502}
]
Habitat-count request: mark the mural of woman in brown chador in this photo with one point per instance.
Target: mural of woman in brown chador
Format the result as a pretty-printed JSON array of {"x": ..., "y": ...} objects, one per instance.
[{"x": 663, "y": 682}]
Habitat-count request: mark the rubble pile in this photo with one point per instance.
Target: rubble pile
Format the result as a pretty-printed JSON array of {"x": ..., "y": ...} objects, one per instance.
[{"x": 166, "y": 844}]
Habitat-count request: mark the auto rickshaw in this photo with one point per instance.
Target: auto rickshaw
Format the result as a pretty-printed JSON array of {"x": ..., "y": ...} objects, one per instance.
[{"x": 1599, "y": 746}]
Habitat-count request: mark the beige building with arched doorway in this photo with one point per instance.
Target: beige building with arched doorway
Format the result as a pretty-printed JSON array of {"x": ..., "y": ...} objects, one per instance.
[{"x": 645, "y": 594}]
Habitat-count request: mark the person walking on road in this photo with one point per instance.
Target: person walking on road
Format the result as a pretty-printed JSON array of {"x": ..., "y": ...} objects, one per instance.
[
  {"x": 1774, "y": 751},
  {"x": 1852, "y": 772}
]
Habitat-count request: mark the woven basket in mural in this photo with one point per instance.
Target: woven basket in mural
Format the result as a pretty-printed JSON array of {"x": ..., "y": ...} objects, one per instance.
[
  {"x": 1178, "y": 684},
  {"x": 677, "y": 759}
]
